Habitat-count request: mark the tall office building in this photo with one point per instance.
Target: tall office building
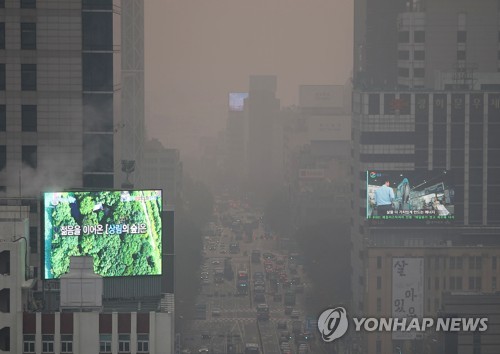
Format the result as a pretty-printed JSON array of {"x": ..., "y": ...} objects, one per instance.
[
  {"x": 59, "y": 83},
  {"x": 132, "y": 86},
  {"x": 437, "y": 122},
  {"x": 264, "y": 138}
]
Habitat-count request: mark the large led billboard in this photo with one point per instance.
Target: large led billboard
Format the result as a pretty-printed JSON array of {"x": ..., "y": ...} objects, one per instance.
[
  {"x": 237, "y": 101},
  {"x": 121, "y": 230},
  {"x": 410, "y": 195}
]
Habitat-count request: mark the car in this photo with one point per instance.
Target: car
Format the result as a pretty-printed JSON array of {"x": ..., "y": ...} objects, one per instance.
[
  {"x": 258, "y": 276},
  {"x": 295, "y": 314},
  {"x": 215, "y": 262},
  {"x": 282, "y": 324},
  {"x": 203, "y": 350},
  {"x": 216, "y": 312},
  {"x": 259, "y": 283}
]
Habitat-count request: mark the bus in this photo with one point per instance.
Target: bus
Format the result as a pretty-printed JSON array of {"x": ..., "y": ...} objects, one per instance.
[
  {"x": 255, "y": 256},
  {"x": 262, "y": 312},
  {"x": 234, "y": 248},
  {"x": 219, "y": 275},
  {"x": 252, "y": 348}
]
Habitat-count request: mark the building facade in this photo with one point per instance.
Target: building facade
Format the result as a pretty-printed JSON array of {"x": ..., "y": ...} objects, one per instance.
[
  {"x": 447, "y": 269},
  {"x": 439, "y": 113}
]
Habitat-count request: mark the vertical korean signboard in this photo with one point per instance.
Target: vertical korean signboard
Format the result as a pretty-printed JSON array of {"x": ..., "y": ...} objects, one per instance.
[{"x": 407, "y": 291}]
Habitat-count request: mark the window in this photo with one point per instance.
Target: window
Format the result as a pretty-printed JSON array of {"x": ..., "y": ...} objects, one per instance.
[
  {"x": 33, "y": 239},
  {"x": 493, "y": 283},
  {"x": 379, "y": 304},
  {"x": 2, "y": 77},
  {"x": 3, "y": 156},
  {"x": 3, "y": 118},
  {"x": 436, "y": 283},
  {"x": 378, "y": 346},
  {"x": 461, "y": 36},
  {"x": 142, "y": 343},
  {"x": 379, "y": 283},
  {"x": 105, "y": 343},
  {"x": 66, "y": 343},
  {"x": 28, "y": 77},
  {"x": 379, "y": 262},
  {"x": 403, "y": 55},
  {"x": 124, "y": 343},
  {"x": 29, "y": 343},
  {"x": 474, "y": 283},
  {"x": 28, "y": 4},
  {"x": 28, "y": 118},
  {"x": 419, "y": 55},
  {"x": 403, "y": 72},
  {"x": 479, "y": 262},
  {"x": 419, "y": 72},
  {"x": 475, "y": 262},
  {"x": 458, "y": 283},
  {"x": 452, "y": 262},
  {"x": 97, "y": 30},
  {"x": 460, "y": 263},
  {"x": 2, "y": 4},
  {"x": 47, "y": 343},
  {"x": 97, "y": 4},
  {"x": 29, "y": 155},
  {"x": 472, "y": 262},
  {"x": 419, "y": 36},
  {"x": 97, "y": 71},
  {"x": 452, "y": 283},
  {"x": 493, "y": 262},
  {"x": 461, "y": 55},
  {"x": 2, "y": 35},
  {"x": 403, "y": 37},
  {"x": 28, "y": 35}
]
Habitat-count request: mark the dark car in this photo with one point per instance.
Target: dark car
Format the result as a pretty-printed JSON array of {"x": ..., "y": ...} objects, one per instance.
[{"x": 282, "y": 324}]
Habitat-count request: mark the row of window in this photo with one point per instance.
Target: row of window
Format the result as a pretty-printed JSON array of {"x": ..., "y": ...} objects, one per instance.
[
  {"x": 419, "y": 36},
  {"x": 104, "y": 343},
  {"x": 28, "y": 77},
  {"x": 28, "y": 35},
  {"x": 100, "y": 39},
  {"x": 29, "y": 156},
  {"x": 23, "y": 4},
  {"x": 417, "y": 72},
  {"x": 475, "y": 262},
  {"x": 454, "y": 283},
  {"x": 28, "y": 118}
]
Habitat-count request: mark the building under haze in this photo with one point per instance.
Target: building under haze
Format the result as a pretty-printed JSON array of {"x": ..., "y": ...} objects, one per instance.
[
  {"x": 264, "y": 138},
  {"x": 60, "y": 128},
  {"x": 434, "y": 124},
  {"x": 162, "y": 169},
  {"x": 318, "y": 169}
]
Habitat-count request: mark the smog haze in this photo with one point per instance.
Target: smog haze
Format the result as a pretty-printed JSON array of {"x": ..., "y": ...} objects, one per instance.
[{"x": 196, "y": 52}]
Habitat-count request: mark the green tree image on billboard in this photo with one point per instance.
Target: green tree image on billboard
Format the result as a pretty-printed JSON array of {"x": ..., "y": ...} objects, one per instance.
[{"x": 121, "y": 230}]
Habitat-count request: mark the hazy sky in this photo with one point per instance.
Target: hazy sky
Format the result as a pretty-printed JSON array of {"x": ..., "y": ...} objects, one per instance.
[{"x": 197, "y": 51}]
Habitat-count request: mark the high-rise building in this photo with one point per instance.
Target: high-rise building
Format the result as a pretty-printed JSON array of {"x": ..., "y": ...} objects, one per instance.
[
  {"x": 264, "y": 137},
  {"x": 132, "y": 87},
  {"x": 439, "y": 116},
  {"x": 60, "y": 83},
  {"x": 162, "y": 169}
]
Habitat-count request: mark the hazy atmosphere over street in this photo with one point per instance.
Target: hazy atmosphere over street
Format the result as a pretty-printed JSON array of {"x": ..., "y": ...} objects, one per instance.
[{"x": 197, "y": 51}]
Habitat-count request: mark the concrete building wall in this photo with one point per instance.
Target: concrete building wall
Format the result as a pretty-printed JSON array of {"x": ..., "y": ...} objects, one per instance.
[{"x": 446, "y": 269}]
